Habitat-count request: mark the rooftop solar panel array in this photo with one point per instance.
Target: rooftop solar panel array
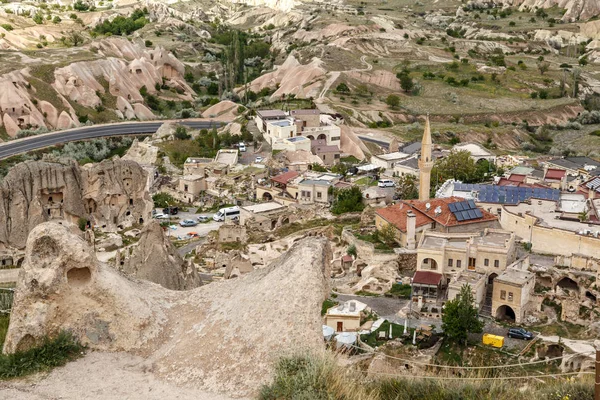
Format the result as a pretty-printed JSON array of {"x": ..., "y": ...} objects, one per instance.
[
  {"x": 507, "y": 194},
  {"x": 465, "y": 210},
  {"x": 594, "y": 184}
]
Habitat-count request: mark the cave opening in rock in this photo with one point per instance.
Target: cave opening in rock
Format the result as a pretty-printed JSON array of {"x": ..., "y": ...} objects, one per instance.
[{"x": 79, "y": 276}]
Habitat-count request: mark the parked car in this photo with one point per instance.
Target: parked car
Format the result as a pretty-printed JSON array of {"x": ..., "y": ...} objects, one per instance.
[
  {"x": 520, "y": 333},
  {"x": 203, "y": 218},
  {"x": 242, "y": 147},
  {"x": 188, "y": 222},
  {"x": 171, "y": 210},
  {"x": 258, "y": 159},
  {"x": 161, "y": 216},
  {"x": 383, "y": 183}
]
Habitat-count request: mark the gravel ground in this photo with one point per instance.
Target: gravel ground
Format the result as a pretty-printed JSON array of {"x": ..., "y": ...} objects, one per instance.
[{"x": 100, "y": 376}]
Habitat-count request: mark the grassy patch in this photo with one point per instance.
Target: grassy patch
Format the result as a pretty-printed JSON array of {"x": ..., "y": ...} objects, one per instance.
[
  {"x": 4, "y": 320},
  {"x": 350, "y": 160},
  {"x": 179, "y": 150},
  {"x": 372, "y": 338},
  {"x": 401, "y": 290},
  {"x": 366, "y": 293},
  {"x": 327, "y": 304},
  {"x": 365, "y": 181},
  {"x": 51, "y": 353}
]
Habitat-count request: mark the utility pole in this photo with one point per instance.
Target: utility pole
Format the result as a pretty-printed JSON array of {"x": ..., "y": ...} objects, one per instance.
[{"x": 597, "y": 368}]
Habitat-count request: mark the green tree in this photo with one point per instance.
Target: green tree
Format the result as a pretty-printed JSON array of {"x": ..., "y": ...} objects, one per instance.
[
  {"x": 162, "y": 200},
  {"x": 457, "y": 165},
  {"x": 406, "y": 187},
  {"x": 343, "y": 88},
  {"x": 406, "y": 83},
  {"x": 459, "y": 317},
  {"x": 347, "y": 200},
  {"x": 181, "y": 133},
  {"x": 393, "y": 101},
  {"x": 351, "y": 251},
  {"x": 318, "y": 167},
  {"x": 387, "y": 234}
]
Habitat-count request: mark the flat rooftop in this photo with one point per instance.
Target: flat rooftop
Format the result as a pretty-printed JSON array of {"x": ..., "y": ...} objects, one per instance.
[
  {"x": 271, "y": 114},
  {"x": 282, "y": 123},
  {"x": 192, "y": 177},
  {"x": 470, "y": 277},
  {"x": 393, "y": 156},
  {"x": 495, "y": 239},
  {"x": 297, "y": 139},
  {"x": 546, "y": 212},
  {"x": 572, "y": 203},
  {"x": 514, "y": 276},
  {"x": 264, "y": 207}
]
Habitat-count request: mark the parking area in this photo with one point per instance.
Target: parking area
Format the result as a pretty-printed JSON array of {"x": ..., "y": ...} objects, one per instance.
[
  {"x": 181, "y": 233},
  {"x": 249, "y": 156}
]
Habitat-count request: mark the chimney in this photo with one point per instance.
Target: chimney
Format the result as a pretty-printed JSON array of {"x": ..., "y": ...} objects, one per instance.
[
  {"x": 411, "y": 230},
  {"x": 592, "y": 192}
]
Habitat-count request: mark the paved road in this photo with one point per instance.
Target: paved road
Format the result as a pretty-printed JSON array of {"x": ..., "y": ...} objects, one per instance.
[
  {"x": 381, "y": 143},
  {"x": 12, "y": 148}
]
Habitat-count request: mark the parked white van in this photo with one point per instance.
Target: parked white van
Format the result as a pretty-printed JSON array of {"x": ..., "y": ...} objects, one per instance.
[
  {"x": 242, "y": 147},
  {"x": 227, "y": 213},
  {"x": 383, "y": 183}
]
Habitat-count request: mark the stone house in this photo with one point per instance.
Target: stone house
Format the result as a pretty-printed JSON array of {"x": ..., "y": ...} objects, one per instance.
[
  {"x": 263, "y": 216},
  {"x": 512, "y": 291},
  {"x": 190, "y": 187},
  {"x": 330, "y": 154},
  {"x": 488, "y": 252},
  {"x": 439, "y": 215},
  {"x": 345, "y": 317}
]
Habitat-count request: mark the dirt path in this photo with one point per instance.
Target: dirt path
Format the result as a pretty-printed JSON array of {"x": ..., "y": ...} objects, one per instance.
[
  {"x": 336, "y": 74},
  {"x": 101, "y": 376}
]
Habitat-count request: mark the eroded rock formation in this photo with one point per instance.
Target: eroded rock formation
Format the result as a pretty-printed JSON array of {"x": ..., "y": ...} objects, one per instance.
[
  {"x": 215, "y": 337},
  {"x": 109, "y": 194},
  {"x": 155, "y": 259}
]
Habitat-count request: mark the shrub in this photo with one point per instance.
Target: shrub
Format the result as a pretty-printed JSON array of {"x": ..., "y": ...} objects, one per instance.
[
  {"x": 56, "y": 19},
  {"x": 7, "y": 27},
  {"x": 82, "y": 223},
  {"x": 351, "y": 250},
  {"x": 148, "y": 43}
]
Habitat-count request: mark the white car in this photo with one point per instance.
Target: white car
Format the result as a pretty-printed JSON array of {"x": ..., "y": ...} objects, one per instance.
[
  {"x": 383, "y": 183},
  {"x": 258, "y": 159},
  {"x": 242, "y": 147},
  {"x": 161, "y": 216}
]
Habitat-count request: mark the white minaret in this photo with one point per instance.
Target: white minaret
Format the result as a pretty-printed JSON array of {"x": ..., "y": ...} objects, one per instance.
[{"x": 425, "y": 163}]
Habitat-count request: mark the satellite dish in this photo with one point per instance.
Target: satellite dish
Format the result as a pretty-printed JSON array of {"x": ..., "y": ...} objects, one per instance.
[{"x": 428, "y": 206}]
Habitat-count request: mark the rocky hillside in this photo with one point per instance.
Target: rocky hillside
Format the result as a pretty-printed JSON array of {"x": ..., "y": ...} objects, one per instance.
[
  {"x": 576, "y": 10},
  {"x": 108, "y": 194}
]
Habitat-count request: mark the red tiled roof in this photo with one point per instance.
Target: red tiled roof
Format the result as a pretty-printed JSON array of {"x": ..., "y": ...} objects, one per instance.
[
  {"x": 446, "y": 217},
  {"x": 555, "y": 174},
  {"x": 517, "y": 178},
  {"x": 396, "y": 215},
  {"x": 427, "y": 278},
  {"x": 285, "y": 177},
  {"x": 347, "y": 258}
]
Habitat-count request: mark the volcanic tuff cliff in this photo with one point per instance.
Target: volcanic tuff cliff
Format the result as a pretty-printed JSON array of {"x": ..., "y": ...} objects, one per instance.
[
  {"x": 212, "y": 337},
  {"x": 110, "y": 193},
  {"x": 155, "y": 259}
]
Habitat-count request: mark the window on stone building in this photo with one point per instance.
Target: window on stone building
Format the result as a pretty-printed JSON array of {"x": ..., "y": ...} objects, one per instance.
[
  {"x": 426, "y": 261},
  {"x": 497, "y": 263},
  {"x": 510, "y": 296},
  {"x": 185, "y": 188},
  {"x": 450, "y": 262},
  {"x": 471, "y": 262},
  {"x": 503, "y": 295},
  {"x": 458, "y": 263},
  {"x": 486, "y": 262},
  {"x": 319, "y": 194}
]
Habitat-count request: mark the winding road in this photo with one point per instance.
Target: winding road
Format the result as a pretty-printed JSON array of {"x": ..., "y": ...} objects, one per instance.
[{"x": 19, "y": 146}]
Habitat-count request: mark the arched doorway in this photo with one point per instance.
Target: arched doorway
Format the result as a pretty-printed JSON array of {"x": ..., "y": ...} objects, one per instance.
[
  {"x": 267, "y": 196},
  {"x": 567, "y": 284},
  {"x": 505, "y": 313},
  {"x": 429, "y": 263},
  {"x": 322, "y": 136},
  {"x": 311, "y": 137},
  {"x": 590, "y": 296},
  {"x": 285, "y": 221},
  {"x": 273, "y": 224},
  {"x": 491, "y": 278}
]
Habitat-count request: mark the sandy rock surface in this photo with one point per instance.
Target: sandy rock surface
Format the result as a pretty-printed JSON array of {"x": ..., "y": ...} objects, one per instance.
[
  {"x": 101, "y": 376},
  {"x": 214, "y": 338}
]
